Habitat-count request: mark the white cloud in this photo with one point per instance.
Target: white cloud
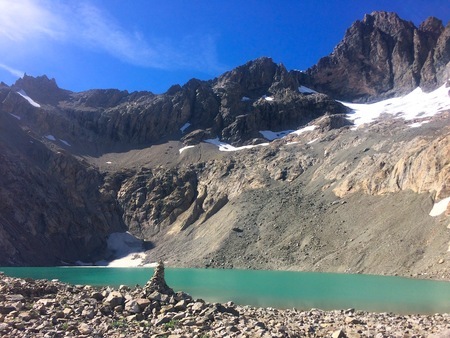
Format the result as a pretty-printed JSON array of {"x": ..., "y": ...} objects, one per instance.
[
  {"x": 99, "y": 30},
  {"x": 24, "y": 22},
  {"x": 12, "y": 71}
]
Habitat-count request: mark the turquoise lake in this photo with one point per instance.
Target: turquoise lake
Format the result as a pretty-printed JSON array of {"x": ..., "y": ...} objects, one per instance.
[{"x": 279, "y": 289}]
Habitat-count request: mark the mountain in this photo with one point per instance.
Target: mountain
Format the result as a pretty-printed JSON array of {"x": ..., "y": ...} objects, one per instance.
[
  {"x": 253, "y": 169},
  {"x": 384, "y": 56}
]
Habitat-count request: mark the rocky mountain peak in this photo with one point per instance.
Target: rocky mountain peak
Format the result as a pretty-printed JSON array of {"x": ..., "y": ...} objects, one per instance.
[
  {"x": 387, "y": 22},
  {"x": 432, "y": 25},
  {"x": 383, "y": 56},
  {"x": 257, "y": 77},
  {"x": 41, "y": 88}
]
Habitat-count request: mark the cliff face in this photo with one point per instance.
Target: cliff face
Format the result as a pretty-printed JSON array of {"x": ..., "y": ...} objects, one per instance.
[
  {"x": 51, "y": 210},
  {"x": 259, "y": 95},
  {"x": 76, "y": 167},
  {"x": 383, "y": 56}
]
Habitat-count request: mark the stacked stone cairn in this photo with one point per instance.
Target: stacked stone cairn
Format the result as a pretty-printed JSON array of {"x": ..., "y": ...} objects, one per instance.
[{"x": 158, "y": 282}]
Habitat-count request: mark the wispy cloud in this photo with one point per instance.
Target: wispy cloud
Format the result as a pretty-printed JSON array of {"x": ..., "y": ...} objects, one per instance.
[
  {"x": 12, "y": 71},
  {"x": 99, "y": 30},
  {"x": 89, "y": 26},
  {"x": 22, "y": 20}
]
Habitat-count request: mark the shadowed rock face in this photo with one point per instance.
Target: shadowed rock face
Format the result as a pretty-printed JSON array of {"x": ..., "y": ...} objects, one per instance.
[
  {"x": 51, "y": 208},
  {"x": 383, "y": 56}
]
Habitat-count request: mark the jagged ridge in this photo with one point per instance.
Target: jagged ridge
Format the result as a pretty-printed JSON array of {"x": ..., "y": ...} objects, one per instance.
[{"x": 383, "y": 56}]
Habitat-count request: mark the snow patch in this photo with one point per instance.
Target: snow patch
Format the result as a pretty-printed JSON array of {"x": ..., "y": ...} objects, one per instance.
[
  {"x": 184, "y": 127},
  {"x": 127, "y": 249},
  {"x": 417, "y": 124},
  {"x": 50, "y": 137},
  {"x": 65, "y": 142},
  {"x": 16, "y": 116},
  {"x": 416, "y": 104},
  {"x": 306, "y": 90},
  {"x": 108, "y": 162},
  {"x": 228, "y": 147},
  {"x": 184, "y": 148},
  {"x": 440, "y": 207},
  {"x": 303, "y": 130},
  {"x": 273, "y": 135},
  {"x": 29, "y": 99},
  {"x": 267, "y": 98}
]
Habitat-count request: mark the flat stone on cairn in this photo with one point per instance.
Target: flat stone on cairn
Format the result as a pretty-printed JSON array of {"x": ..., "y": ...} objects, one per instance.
[{"x": 157, "y": 282}]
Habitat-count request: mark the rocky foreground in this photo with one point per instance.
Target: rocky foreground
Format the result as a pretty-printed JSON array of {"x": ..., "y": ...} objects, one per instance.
[{"x": 41, "y": 308}]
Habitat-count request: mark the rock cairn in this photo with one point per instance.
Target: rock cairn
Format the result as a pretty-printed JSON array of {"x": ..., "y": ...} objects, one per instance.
[
  {"x": 158, "y": 282},
  {"x": 41, "y": 308}
]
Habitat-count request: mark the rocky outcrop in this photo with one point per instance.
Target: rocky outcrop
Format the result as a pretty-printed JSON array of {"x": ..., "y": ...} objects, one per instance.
[
  {"x": 152, "y": 199},
  {"x": 383, "y": 56},
  {"x": 420, "y": 165}
]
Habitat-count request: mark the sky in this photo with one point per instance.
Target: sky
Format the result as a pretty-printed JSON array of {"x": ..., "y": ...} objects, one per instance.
[{"x": 151, "y": 45}]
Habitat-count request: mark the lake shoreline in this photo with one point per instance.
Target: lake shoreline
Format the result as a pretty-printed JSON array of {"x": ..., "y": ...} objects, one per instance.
[{"x": 41, "y": 308}]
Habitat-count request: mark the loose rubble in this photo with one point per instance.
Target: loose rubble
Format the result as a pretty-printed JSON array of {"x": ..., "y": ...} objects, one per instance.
[{"x": 42, "y": 308}]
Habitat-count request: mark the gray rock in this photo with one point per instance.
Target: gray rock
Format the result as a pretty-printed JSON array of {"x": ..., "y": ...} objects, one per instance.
[
  {"x": 114, "y": 299},
  {"x": 132, "y": 306},
  {"x": 143, "y": 303},
  {"x": 197, "y": 307},
  {"x": 84, "y": 328},
  {"x": 89, "y": 313},
  {"x": 14, "y": 298},
  {"x": 4, "y": 327}
]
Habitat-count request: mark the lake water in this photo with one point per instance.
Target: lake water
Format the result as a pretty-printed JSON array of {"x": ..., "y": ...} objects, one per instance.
[{"x": 280, "y": 289}]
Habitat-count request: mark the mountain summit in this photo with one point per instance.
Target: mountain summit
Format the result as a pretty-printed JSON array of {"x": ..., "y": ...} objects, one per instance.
[{"x": 384, "y": 56}]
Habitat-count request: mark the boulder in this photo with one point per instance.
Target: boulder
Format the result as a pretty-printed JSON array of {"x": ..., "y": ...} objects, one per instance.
[{"x": 114, "y": 299}]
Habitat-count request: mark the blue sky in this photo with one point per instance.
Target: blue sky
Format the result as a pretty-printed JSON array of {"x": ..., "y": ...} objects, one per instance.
[{"x": 150, "y": 45}]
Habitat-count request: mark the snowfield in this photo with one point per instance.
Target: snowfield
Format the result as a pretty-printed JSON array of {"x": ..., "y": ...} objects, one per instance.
[
  {"x": 29, "y": 99},
  {"x": 228, "y": 147},
  {"x": 127, "y": 249},
  {"x": 414, "y": 105},
  {"x": 440, "y": 207}
]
